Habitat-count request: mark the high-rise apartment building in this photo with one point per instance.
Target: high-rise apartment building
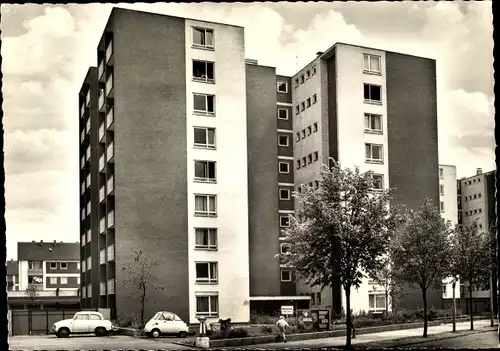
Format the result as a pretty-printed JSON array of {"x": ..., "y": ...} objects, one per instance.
[{"x": 195, "y": 152}]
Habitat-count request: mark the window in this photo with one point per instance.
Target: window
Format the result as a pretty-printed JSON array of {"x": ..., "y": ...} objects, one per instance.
[
  {"x": 283, "y": 140},
  {"x": 298, "y": 136},
  {"x": 204, "y": 138},
  {"x": 205, "y": 205},
  {"x": 64, "y": 280},
  {"x": 203, "y": 103},
  {"x": 441, "y": 173},
  {"x": 297, "y": 109},
  {"x": 377, "y": 181},
  {"x": 53, "y": 265},
  {"x": 308, "y": 74},
  {"x": 373, "y": 153},
  {"x": 479, "y": 195},
  {"x": 303, "y": 133},
  {"x": 286, "y": 276},
  {"x": 309, "y": 158},
  {"x": 376, "y": 302},
  {"x": 318, "y": 298},
  {"x": 309, "y": 130},
  {"x": 316, "y": 184},
  {"x": 284, "y": 221},
  {"x": 207, "y": 305},
  {"x": 282, "y": 87},
  {"x": 441, "y": 189},
  {"x": 302, "y": 79},
  {"x": 371, "y": 63},
  {"x": 296, "y": 82},
  {"x": 283, "y": 248},
  {"x": 298, "y": 164},
  {"x": 64, "y": 265},
  {"x": 95, "y": 317},
  {"x": 282, "y": 113},
  {"x": 82, "y": 317},
  {"x": 315, "y": 98},
  {"x": 315, "y": 127},
  {"x": 308, "y": 102},
  {"x": 373, "y": 123},
  {"x": 441, "y": 206},
  {"x": 304, "y": 162},
  {"x": 53, "y": 280},
  {"x": 284, "y": 167},
  {"x": 34, "y": 265},
  {"x": 206, "y": 238},
  {"x": 475, "y": 196},
  {"x": 372, "y": 93},
  {"x": 203, "y": 71},
  {"x": 203, "y": 37},
  {"x": 314, "y": 70},
  {"x": 284, "y": 194},
  {"x": 480, "y": 210},
  {"x": 206, "y": 272},
  {"x": 480, "y": 226},
  {"x": 316, "y": 155},
  {"x": 204, "y": 171},
  {"x": 302, "y": 106}
]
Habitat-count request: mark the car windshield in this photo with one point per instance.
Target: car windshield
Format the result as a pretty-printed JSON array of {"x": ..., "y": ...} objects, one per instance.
[
  {"x": 157, "y": 316},
  {"x": 177, "y": 318}
]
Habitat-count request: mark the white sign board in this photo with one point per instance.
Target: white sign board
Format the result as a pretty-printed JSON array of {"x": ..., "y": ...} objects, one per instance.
[{"x": 287, "y": 310}]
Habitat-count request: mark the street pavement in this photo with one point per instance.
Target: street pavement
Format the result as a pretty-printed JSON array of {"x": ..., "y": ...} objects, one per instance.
[
  {"x": 375, "y": 337},
  {"x": 474, "y": 341},
  {"x": 77, "y": 342}
]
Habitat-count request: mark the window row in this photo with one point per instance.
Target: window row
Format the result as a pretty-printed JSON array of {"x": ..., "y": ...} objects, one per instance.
[
  {"x": 472, "y": 181},
  {"x": 303, "y": 77},
  {"x": 61, "y": 280},
  {"x": 472, "y": 197},
  {"x": 313, "y": 157},
  {"x": 314, "y": 185},
  {"x": 60, "y": 265},
  {"x": 377, "y": 183},
  {"x": 472, "y": 212},
  {"x": 307, "y": 131},
  {"x": 306, "y": 104}
]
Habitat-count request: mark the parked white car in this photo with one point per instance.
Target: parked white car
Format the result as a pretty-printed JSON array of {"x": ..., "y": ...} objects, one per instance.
[
  {"x": 83, "y": 323},
  {"x": 166, "y": 323}
]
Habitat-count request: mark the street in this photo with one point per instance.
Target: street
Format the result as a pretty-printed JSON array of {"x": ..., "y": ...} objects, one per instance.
[
  {"x": 50, "y": 342},
  {"x": 480, "y": 340}
]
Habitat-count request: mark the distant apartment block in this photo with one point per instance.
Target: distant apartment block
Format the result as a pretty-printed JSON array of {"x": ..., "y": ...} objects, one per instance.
[
  {"x": 53, "y": 268},
  {"x": 191, "y": 153}
]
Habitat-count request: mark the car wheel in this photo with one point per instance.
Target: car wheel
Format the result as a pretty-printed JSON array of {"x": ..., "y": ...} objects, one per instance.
[
  {"x": 63, "y": 333},
  {"x": 155, "y": 333},
  {"x": 182, "y": 334},
  {"x": 100, "y": 331}
]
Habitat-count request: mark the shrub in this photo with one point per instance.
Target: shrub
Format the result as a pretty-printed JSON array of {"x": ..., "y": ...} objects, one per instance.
[
  {"x": 266, "y": 330},
  {"x": 238, "y": 333},
  {"x": 263, "y": 319}
]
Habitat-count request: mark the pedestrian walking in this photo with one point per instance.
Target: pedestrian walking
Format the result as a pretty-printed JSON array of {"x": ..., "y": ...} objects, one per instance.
[{"x": 282, "y": 324}]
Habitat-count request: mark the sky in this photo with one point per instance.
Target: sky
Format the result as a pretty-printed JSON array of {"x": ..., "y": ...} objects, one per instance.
[{"x": 47, "y": 49}]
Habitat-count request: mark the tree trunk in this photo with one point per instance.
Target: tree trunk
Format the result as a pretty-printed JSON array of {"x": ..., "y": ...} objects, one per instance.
[
  {"x": 454, "y": 311},
  {"x": 143, "y": 300},
  {"x": 470, "y": 307},
  {"x": 424, "y": 296},
  {"x": 387, "y": 301},
  {"x": 348, "y": 317}
]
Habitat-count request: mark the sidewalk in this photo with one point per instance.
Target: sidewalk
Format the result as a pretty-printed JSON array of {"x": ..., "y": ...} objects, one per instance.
[{"x": 375, "y": 337}]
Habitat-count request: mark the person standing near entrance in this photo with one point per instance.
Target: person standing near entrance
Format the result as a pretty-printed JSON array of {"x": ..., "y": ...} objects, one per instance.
[{"x": 282, "y": 324}]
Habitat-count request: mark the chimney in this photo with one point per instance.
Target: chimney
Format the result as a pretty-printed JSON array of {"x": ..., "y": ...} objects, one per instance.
[
  {"x": 32, "y": 241},
  {"x": 251, "y": 62},
  {"x": 319, "y": 53},
  {"x": 479, "y": 171},
  {"x": 41, "y": 241}
]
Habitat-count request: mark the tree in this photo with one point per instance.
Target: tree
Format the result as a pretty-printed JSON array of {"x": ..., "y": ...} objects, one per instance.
[
  {"x": 385, "y": 277},
  {"x": 340, "y": 231},
  {"x": 32, "y": 292},
  {"x": 421, "y": 250},
  {"x": 140, "y": 277},
  {"x": 472, "y": 250}
]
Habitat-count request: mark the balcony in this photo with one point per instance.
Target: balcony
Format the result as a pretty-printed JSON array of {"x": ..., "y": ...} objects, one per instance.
[
  {"x": 101, "y": 100},
  {"x": 87, "y": 127},
  {"x": 102, "y": 256},
  {"x": 110, "y": 185},
  {"x": 111, "y": 219},
  {"x": 110, "y": 152},
  {"x": 102, "y": 163},
  {"x": 109, "y": 86},
  {"x": 109, "y": 53},
  {"x": 102, "y": 288},
  {"x": 82, "y": 111},
  {"x": 102, "y": 194},
  {"x": 87, "y": 99},
  {"x": 102, "y": 225},
  {"x": 111, "y": 252},
  {"x": 101, "y": 133},
  {"x": 100, "y": 71},
  {"x": 110, "y": 117},
  {"x": 82, "y": 162}
]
